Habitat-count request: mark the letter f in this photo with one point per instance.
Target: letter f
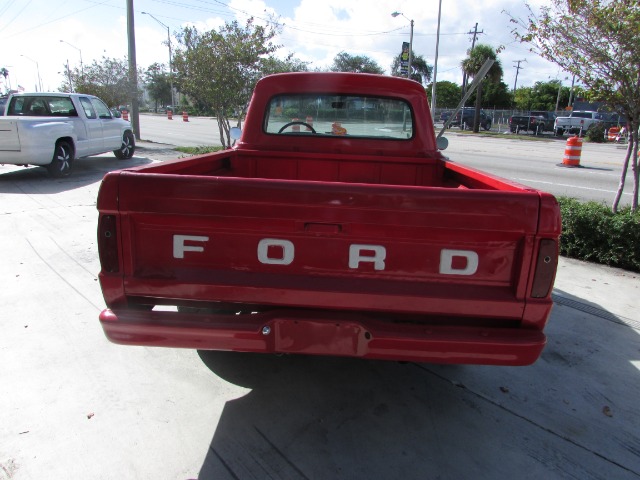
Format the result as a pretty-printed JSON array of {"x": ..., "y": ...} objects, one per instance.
[{"x": 179, "y": 246}]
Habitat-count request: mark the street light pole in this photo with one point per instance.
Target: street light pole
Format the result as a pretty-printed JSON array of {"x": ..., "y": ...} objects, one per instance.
[
  {"x": 435, "y": 67},
  {"x": 173, "y": 101},
  {"x": 69, "y": 75},
  {"x": 37, "y": 69},
  {"x": 80, "y": 51},
  {"x": 395, "y": 14}
]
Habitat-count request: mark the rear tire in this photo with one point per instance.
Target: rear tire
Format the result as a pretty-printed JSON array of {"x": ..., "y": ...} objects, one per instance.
[
  {"x": 62, "y": 161},
  {"x": 127, "y": 148}
]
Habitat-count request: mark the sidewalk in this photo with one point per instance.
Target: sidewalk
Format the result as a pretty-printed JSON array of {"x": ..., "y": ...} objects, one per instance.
[
  {"x": 157, "y": 151},
  {"x": 599, "y": 290}
]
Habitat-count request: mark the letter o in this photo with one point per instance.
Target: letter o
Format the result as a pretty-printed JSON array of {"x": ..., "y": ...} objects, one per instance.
[{"x": 287, "y": 251}]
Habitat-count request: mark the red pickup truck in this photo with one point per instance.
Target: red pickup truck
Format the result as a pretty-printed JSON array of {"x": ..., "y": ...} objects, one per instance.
[{"x": 334, "y": 226}]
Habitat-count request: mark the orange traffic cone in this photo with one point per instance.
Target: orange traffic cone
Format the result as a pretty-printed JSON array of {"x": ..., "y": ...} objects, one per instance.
[{"x": 572, "y": 152}]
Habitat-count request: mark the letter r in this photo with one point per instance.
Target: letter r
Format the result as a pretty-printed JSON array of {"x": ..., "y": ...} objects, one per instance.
[
  {"x": 356, "y": 256},
  {"x": 179, "y": 246}
]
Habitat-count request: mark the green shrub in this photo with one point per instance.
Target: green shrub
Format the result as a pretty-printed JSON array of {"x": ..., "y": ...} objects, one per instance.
[
  {"x": 591, "y": 232},
  {"x": 198, "y": 150},
  {"x": 596, "y": 133}
]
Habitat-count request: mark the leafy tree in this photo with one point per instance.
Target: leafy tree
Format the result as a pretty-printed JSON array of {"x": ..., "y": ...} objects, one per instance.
[
  {"x": 343, "y": 62},
  {"x": 597, "y": 41},
  {"x": 494, "y": 95},
  {"x": 108, "y": 80},
  {"x": 447, "y": 93},
  {"x": 5, "y": 73},
  {"x": 472, "y": 65},
  {"x": 219, "y": 69},
  {"x": 546, "y": 94},
  {"x": 522, "y": 98},
  {"x": 158, "y": 84},
  {"x": 420, "y": 71},
  {"x": 271, "y": 65}
]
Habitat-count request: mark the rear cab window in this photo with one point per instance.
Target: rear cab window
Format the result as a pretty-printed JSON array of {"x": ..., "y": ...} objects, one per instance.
[
  {"x": 330, "y": 115},
  {"x": 42, "y": 106}
]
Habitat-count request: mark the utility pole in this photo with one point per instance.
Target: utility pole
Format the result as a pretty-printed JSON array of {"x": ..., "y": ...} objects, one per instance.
[
  {"x": 133, "y": 74},
  {"x": 573, "y": 82},
  {"x": 475, "y": 34},
  {"x": 518, "y": 68},
  {"x": 435, "y": 66}
]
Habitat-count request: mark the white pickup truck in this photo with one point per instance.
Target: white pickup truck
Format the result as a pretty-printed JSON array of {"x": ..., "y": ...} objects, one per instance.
[
  {"x": 53, "y": 129},
  {"x": 577, "y": 122}
]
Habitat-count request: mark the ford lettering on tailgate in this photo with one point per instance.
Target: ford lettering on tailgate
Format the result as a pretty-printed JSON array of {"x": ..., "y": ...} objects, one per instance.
[{"x": 278, "y": 251}]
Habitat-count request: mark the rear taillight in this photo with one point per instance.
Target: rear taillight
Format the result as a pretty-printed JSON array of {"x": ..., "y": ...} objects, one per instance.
[
  {"x": 108, "y": 244},
  {"x": 546, "y": 266}
]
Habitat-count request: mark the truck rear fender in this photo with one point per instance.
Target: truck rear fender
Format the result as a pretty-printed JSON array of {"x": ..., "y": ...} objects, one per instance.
[{"x": 544, "y": 262}]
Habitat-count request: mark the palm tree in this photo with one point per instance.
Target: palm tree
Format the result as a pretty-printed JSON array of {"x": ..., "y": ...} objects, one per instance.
[
  {"x": 420, "y": 70},
  {"x": 472, "y": 64}
]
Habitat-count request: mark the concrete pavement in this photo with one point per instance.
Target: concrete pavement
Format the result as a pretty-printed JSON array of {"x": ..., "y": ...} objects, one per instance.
[{"x": 74, "y": 406}]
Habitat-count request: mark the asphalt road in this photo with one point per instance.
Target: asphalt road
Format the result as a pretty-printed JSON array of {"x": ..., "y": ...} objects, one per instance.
[
  {"x": 74, "y": 406},
  {"x": 536, "y": 163},
  {"x": 195, "y": 132}
]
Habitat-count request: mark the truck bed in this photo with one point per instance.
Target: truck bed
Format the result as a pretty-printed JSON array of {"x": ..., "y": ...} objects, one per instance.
[{"x": 239, "y": 215}]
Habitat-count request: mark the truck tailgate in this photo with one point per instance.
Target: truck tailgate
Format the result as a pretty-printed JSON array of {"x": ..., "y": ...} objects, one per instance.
[{"x": 408, "y": 250}]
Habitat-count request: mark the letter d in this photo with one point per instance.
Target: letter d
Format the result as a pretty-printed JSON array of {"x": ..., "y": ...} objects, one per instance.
[{"x": 446, "y": 262}]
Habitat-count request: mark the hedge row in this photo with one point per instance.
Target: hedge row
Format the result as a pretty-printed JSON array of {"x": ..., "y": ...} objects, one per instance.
[{"x": 591, "y": 232}]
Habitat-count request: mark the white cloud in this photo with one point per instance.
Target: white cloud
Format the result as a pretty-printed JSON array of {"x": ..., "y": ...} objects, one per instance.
[{"x": 314, "y": 31}]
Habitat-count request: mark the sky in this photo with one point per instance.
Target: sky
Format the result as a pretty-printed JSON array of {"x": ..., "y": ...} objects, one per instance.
[{"x": 39, "y": 37}]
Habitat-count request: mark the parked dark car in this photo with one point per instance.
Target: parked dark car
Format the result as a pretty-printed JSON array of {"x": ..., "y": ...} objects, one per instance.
[
  {"x": 536, "y": 122},
  {"x": 444, "y": 116},
  {"x": 614, "y": 120},
  {"x": 464, "y": 119}
]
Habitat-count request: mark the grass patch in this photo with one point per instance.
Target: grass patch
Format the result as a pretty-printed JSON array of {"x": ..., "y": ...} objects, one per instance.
[
  {"x": 591, "y": 232},
  {"x": 200, "y": 150}
]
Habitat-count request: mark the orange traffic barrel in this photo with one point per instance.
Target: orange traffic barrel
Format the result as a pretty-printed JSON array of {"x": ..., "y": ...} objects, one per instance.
[
  {"x": 169, "y": 115},
  {"x": 572, "y": 152},
  {"x": 125, "y": 115},
  {"x": 613, "y": 133},
  {"x": 309, "y": 122},
  {"x": 185, "y": 117}
]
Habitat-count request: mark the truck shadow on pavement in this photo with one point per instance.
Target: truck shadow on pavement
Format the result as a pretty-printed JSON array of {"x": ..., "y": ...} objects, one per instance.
[
  {"x": 36, "y": 180},
  {"x": 571, "y": 414}
]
